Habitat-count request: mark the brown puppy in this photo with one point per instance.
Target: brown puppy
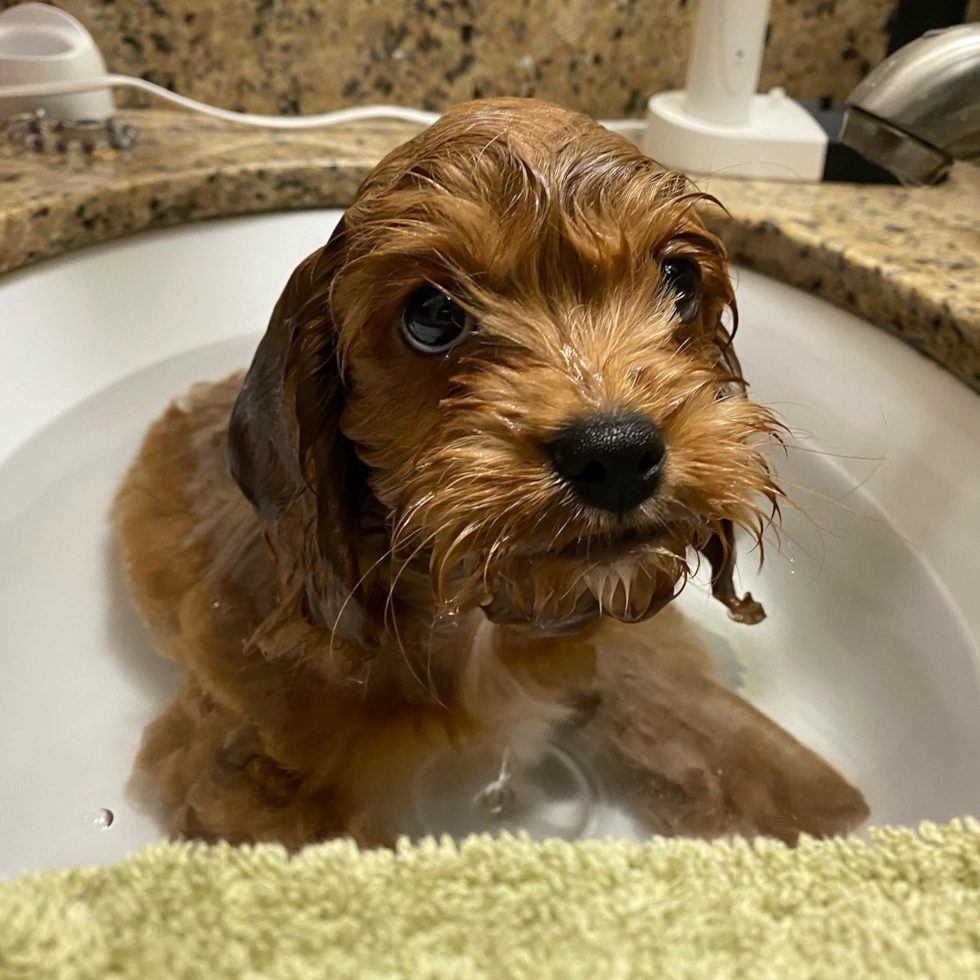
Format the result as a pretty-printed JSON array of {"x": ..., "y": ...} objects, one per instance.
[{"x": 497, "y": 409}]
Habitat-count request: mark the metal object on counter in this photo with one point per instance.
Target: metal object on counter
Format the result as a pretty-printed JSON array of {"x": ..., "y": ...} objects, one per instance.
[
  {"x": 920, "y": 108},
  {"x": 37, "y": 132}
]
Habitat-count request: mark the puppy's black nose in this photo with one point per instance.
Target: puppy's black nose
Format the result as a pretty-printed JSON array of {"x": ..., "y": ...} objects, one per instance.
[{"x": 612, "y": 461}]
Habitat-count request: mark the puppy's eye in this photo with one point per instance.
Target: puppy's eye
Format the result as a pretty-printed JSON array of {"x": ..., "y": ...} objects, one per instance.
[
  {"x": 432, "y": 323},
  {"x": 683, "y": 279}
]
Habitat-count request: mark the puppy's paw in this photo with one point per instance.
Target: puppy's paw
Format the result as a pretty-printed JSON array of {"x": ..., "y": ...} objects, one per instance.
[{"x": 745, "y": 609}]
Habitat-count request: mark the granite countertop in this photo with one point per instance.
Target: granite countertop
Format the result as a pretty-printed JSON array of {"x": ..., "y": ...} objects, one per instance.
[{"x": 908, "y": 260}]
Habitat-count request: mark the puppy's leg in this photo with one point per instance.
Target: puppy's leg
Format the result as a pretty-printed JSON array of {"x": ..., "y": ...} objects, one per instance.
[
  {"x": 696, "y": 759},
  {"x": 212, "y": 773}
]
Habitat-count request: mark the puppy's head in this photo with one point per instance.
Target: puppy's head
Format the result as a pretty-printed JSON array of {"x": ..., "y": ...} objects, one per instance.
[{"x": 513, "y": 348}]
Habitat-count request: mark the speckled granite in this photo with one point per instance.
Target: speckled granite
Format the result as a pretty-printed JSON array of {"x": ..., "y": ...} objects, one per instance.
[
  {"x": 908, "y": 260},
  {"x": 183, "y": 168},
  {"x": 604, "y": 57}
]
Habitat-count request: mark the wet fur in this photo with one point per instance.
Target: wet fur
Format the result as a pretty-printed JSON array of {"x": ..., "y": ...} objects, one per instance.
[{"x": 359, "y": 555}]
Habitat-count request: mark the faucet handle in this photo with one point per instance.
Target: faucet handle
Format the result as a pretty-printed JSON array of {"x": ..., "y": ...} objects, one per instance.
[{"x": 920, "y": 108}]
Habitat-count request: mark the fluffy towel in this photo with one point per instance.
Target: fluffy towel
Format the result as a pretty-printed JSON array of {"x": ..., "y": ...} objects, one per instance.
[{"x": 906, "y": 905}]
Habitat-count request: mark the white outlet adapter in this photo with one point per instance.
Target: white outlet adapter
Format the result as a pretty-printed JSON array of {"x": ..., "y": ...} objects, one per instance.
[{"x": 719, "y": 124}]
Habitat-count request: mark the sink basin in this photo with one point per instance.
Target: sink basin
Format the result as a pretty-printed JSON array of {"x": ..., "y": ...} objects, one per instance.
[{"x": 869, "y": 654}]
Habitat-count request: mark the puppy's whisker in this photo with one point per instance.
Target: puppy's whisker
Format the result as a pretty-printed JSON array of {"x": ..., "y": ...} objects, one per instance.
[
  {"x": 446, "y": 557},
  {"x": 393, "y": 582},
  {"x": 429, "y": 678},
  {"x": 824, "y": 498},
  {"x": 558, "y": 534},
  {"x": 350, "y": 595},
  {"x": 498, "y": 545},
  {"x": 389, "y": 610},
  {"x": 787, "y": 446}
]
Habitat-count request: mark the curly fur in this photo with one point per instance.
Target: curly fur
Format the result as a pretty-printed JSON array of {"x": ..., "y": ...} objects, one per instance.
[{"x": 393, "y": 565}]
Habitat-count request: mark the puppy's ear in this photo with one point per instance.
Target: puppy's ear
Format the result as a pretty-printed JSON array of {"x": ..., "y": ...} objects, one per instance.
[
  {"x": 289, "y": 457},
  {"x": 719, "y": 549}
]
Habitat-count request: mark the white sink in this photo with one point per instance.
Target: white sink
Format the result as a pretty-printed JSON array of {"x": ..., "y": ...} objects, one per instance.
[{"x": 869, "y": 654}]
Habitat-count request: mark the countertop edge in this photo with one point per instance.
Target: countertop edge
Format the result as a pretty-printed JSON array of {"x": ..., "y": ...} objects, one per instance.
[{"x": 762, "y": 229}]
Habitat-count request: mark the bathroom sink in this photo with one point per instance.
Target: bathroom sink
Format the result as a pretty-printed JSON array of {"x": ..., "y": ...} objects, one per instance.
[{"x": 869, "y": 654}]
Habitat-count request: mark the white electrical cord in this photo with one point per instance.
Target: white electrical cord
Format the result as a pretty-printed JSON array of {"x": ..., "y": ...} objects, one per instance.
[
  {"x": 632, "y": 128},
  {"x": 245, "y": 118}
]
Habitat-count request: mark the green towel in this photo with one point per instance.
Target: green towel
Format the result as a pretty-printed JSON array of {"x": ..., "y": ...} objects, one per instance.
[{"x": 906, "y": 905}]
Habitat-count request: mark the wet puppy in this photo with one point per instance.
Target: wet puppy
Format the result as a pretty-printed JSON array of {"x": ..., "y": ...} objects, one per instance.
[{"x": 496, "y": 416}]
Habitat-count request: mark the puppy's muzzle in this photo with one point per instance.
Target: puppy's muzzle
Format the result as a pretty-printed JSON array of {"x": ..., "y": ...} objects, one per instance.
[{"x": 611, "y": 461}]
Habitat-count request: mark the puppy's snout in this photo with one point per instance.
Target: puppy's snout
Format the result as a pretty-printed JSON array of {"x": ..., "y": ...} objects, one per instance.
[{"x": 612, "y": 461}]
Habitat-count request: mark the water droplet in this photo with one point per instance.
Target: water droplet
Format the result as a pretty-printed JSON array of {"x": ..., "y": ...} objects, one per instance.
[
  {"x": 217, "y": 605},
  {"x": 97, "y": 819}
]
